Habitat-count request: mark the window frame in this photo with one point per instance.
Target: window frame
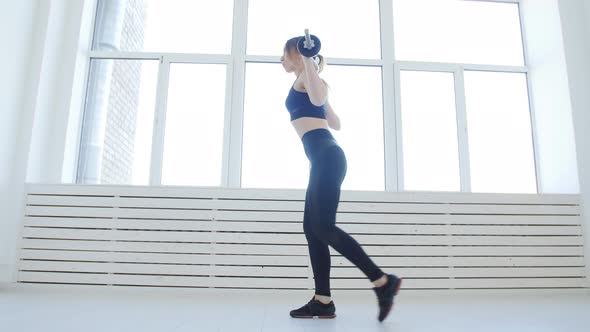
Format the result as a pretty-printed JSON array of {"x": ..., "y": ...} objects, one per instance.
[{"x": 390, "y": 70}]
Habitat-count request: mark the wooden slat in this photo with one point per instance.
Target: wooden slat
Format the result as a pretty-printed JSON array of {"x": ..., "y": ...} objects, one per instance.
[
  {"x": 66, "y": 278},
  {"x": 393, "y": 262},
  {"x": 517, "y": 240},
  {"x": 269, "y": 238},
  {"x": 514, "y": 209},
  {"x": 460, "y": 229},
  {"x": 516, "y": 251},
  {"x": 181, "y": 225},
  {"x": 458, "y": 208},
  {"x": 156, "y": 258},
  {"x": 470, "y": 283},
  {"x": 258, "y": 205},
  {"x": 472, "y": 272},
  {"x": 383, "y": 218},
  {"x": 475, "y": 272},
  {"x": 160, "y": 269},
  {"x": 88, "y": 201},
  {"x": 286, "y": 227},
  {"x": 58, "y": 211},
  {"x": 285, "y": 283},
  {"x": 359, "y": 218},
  {"x": 337, "y": 260},
  {"x": 285, "y": 249},
  {"x": 171, "y": 247},
  {"x": 146, "y": 280},
  {"x": 297, "y": 194},
  {"x": 520, "y": 283},
  {"x": 297, "y": 216}
]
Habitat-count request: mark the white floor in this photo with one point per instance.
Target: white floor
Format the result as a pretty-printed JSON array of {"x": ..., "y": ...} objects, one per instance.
[{"x": 31, "y": 307}]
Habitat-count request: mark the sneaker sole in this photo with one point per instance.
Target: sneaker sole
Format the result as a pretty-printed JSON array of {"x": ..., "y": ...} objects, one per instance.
[{"x": 320, "y": 317}]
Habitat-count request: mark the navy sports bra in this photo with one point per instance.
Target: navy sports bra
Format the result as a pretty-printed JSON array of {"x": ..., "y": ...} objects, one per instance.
[{"x": 299, "y": 105}]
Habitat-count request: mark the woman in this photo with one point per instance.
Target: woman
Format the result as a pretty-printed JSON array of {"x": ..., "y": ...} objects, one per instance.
[{"x": 311, "y": 115}]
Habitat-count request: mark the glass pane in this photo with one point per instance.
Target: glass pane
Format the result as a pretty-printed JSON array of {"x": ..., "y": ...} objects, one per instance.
[
  {"x": 164, "y": 26},
  {"x": 355, "y": 96},
  {"x": 499, "y": 129},
  {"x": 116, "y": 140},
  {"x": 273, "y": 155},
  {"x": 429, "y": 131},
  {"x": 193, "y": 142},
  {"x": 458, "y": 31},
  {"x": 346, "y": 28}
]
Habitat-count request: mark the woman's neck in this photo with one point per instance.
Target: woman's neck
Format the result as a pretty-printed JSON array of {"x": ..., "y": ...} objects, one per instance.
[{"x": 298, "y": 74}]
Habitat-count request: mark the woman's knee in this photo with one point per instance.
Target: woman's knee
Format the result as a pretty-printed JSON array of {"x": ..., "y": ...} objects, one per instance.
[{"x": 322, "y": 230}]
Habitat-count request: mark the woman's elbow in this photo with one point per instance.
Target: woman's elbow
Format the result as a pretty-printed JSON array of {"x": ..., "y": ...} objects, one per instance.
[{"x": 334, "y": 124}]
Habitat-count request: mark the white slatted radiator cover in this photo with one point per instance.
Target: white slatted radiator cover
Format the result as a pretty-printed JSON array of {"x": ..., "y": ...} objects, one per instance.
[{"x": 253, "y": 238}]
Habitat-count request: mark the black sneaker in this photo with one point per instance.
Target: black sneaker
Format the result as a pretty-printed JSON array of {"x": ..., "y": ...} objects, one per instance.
[
  {"x": 315, "y": 308},
  {"x": 385, "y": 295}
]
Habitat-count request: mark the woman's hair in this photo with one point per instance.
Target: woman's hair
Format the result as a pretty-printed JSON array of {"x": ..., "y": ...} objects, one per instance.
[{"x": 291, "y": 46}]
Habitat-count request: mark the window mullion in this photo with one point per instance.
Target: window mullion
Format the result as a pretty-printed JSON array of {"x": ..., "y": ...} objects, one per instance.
[
  {"x": 462, "y": 137},
  {"x": 534, "y": 128},
  {"x": 399, "y": 155},
  {"x": 172, "y": 57},
  {"x": 232, "y": 145},
  {"x": 124, "y": 55},
  {"x": 452, "y": 67},
  {"x": 159, "y": 122},
  {"x": 389, "y": 84}
]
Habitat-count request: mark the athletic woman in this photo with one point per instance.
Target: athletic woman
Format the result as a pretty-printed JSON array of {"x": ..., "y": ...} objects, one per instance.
[{"x": 311, "y": 116}]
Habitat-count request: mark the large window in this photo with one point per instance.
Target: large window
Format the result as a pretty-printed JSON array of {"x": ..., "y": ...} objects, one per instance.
[
  {"x": 429, "y": 131},
  {"x": 156, "y": 97},
  {"x": 357, "y": 99},
  {"x": 432, "y": 95},
  {"x": 118, "y": 117},
  {"x": 193, "y": 141},
  {"x": 500, "y": 138},
  {"x": 272, "y": 154}
]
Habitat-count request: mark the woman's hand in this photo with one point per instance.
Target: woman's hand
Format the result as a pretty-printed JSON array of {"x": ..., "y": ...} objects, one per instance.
[{"x": 315, "y": 87}]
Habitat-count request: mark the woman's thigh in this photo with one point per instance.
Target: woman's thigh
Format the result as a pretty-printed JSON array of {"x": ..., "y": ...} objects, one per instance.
[{"x": 323, "y": 192}]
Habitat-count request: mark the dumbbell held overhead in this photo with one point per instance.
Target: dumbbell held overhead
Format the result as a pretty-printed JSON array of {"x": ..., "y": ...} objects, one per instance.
[{"x": 309, "y": 45}]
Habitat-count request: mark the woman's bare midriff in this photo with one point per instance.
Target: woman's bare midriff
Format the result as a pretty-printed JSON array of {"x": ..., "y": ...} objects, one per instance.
[{"x": 306, "y": 123}]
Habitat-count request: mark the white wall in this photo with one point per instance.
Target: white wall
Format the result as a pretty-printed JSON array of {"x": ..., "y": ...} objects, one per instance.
[
  {"x": 21, "y": 23},
  {"x": 60, "y": 63},
  {"x": 555, "y": 145},
  {"x": 42, "y": 59},
  {"x": 575, "y": 20},
  {"x": 16, "y": 34}
]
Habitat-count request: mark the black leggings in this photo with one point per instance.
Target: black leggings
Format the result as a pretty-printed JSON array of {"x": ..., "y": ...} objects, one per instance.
[{"x": 328, "y": 168}]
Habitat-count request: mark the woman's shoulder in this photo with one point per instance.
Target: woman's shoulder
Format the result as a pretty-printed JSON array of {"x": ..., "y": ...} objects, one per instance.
[{"x": 299, "y": 87}]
